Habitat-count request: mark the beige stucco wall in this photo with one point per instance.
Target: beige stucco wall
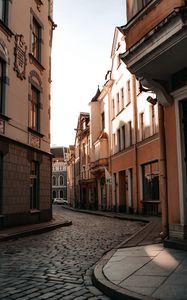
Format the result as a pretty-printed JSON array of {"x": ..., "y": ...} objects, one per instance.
[{"x": 17, "y": 103}]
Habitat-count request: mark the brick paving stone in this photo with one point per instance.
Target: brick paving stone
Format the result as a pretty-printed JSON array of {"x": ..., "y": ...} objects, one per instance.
[
  {"x": 34, "y": 295},
  {"x": 59, "y": 264},
  {"x": 47, "y": 295}
]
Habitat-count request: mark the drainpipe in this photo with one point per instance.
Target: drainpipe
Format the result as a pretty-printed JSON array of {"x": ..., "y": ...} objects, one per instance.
[
  {"x": 163, "y": 172},
  {"x": 134, "y": 97}
]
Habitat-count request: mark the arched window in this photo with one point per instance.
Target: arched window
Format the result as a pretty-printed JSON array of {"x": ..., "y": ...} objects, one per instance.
[
  {"x": 54, "y": 194},
  {"x": 61, "y": 180},
  {"x": 54, "y": 180}
]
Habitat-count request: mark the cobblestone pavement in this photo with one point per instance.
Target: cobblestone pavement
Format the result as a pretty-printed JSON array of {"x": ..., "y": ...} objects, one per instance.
[{"x": 58, "y": 264}]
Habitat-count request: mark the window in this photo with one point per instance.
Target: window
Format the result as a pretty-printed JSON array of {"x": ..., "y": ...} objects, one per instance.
[
  {"x": 138, "y": 87},
  {"x": 103, "y": 121},
  {"x": 35, "y": 109},
  {"x": 138, "y": 5},
  {"x": 34, "y": 185},
  {"x": 54, "y": 180},
  {"x": 36, "y": 40},
  {"x": 61, "y": 180},
  {"x": 113, "y": 109},
  {"x": 117, "y": 103},
  {"x": 114, "y": 187},
  {"x": 119, "y": 139},
  {"x": 114, "y": 142},
  {"x": 83, "y": 172},
  {"x": 4, "y": 11},
  {"x": 2, "y": 85},
  {"x": 130, "y": 133},
  {"x": 54, "y": 194},
  {"x": 145, "y": 2},
  {"x": 128, "y": 87},
  {"x": 123, "y": 136},
  {"x": 122, "y": 97},
  {"x": 83, "y": 153},
  {"x": 61, "y": 194},
  {"x": 142, "y": 130},
  {"x": 153, "y": 121},
  {"x": 150, "y": 176}
]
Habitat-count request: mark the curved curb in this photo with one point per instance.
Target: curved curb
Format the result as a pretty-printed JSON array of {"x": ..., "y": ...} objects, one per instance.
[
  {"x": 106, "y": 286},
  {"x": 113, "y": 215},
  {"x": 110, "y": 289}
]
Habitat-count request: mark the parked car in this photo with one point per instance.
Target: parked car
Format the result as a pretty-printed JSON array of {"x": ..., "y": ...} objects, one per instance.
[{"x": 60, "y": 201}]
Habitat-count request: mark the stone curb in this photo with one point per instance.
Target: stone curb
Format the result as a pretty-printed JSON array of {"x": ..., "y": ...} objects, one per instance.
[
  {"x": 110, "y": 289},
  {"x": 115, "y": 215},
  {"x": 36, "y": 229},
  {"x": 107, "y": 287}
]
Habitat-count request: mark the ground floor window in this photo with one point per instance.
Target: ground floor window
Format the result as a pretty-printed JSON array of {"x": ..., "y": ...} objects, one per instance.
[
  {"x": 103, "y": 193},
  {"x": 150, "y": 177},
  {"x": 54, "y": 194},
  {"x": 150, "y": 181},
  {"x": 61, "y": 194},
  {"x": 34, "y": 185}
]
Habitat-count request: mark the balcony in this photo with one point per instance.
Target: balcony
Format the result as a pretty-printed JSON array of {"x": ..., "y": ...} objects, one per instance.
[
  {"x": 158, "y": 58},
  {"x": 100, "y": 155}
]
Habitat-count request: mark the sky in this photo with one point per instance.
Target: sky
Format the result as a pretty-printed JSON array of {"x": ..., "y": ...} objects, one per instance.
[{"x": 82, "y": 44}]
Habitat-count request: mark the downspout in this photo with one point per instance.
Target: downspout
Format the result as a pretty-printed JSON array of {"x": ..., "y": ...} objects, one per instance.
[
  {"x": 109, "y": 149},
  {"x": 135, "y": 138},
  {"x": 163, "y": 172}
]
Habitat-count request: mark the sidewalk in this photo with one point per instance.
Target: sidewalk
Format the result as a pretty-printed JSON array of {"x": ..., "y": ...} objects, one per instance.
[
  {"x": 25, "y": 230},
  {"x": 142, "y": 268}
]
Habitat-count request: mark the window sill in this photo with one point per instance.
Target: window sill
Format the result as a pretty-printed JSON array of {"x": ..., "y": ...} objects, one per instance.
[
  {"x": 36, "y": 62},
  {"x": 128, "y": 103},
  {"x": 6, "y": 29},
  {"x": 35, "y": 132},
  {"x": 34, "y": 211},
  {"x": 120, "y": 112},
  {"x": 150, "y": 201}
]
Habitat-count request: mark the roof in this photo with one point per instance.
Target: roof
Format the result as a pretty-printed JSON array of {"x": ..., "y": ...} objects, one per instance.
[
  {"x": 96, "y": 95},
  {"x": 58, "y": 151}
]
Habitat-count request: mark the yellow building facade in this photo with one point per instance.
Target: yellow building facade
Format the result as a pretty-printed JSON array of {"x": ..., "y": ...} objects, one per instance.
[
  {"x": 156, "y": 40},
  {"x": 25, "y": 67}
]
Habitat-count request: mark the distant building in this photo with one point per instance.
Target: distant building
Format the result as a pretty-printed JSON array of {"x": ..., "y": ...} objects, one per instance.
[
  {"x": 26, "y": 29},
  {"x": 124, "y": 141},
  {"x": 84, "y": 182},
  {"x": 70, "y": 175},
  {"x": 134, "y": 140},
  {"x": 100, "y": 141},
  {"x": 59, "y": 172}
]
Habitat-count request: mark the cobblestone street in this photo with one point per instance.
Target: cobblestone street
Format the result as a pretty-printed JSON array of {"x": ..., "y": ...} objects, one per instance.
[{"x": 59, "y": 264}]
